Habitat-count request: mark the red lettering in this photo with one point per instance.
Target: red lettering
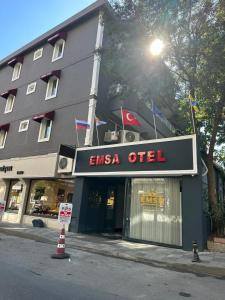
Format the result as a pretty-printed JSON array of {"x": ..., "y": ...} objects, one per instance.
[
  {"x": 160, "y": 156},
  {"x": 108, "y": 159},
  {"x": 100, "y": 160},
  {"x": 92, "y": 160},
  {"x": 116, "y": 160},
  {"x": 151, "y": 156},
  {"x": 141, "y": 156},
  {"x": 132, "y": 157}
]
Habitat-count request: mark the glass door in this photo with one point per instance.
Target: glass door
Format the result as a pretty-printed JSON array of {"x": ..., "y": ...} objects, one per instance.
[
  {"x": 15, "y": 196},
  {"x": 109, "y": 222}
]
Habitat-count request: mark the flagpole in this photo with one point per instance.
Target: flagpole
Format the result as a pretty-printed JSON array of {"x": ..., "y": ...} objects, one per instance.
[
  {"x": 156, "y": 136},
  {"x": 97, "y": 131},
  {"x": 77, "y": 133},
  {"x": 192, "y": 114},
  {"x": 122, "y": 123}
]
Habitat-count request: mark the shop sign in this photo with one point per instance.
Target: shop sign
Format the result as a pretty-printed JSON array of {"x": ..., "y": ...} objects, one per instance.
[
  {"x": 169, "y": 156},
  {"x": 2, "y": 206},
  {"x": 6, "y": 169},
  {"x": 65, "y": 213},
  {"x": 152, "y": 200}
]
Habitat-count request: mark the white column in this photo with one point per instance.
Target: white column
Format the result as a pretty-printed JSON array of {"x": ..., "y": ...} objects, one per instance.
[{"x": 94, "y": 82}]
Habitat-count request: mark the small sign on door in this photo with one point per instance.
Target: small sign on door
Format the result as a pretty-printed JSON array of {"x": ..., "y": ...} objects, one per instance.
[
  {"x": 2, "y": 207},
  {"x": 65, "y": 213}
]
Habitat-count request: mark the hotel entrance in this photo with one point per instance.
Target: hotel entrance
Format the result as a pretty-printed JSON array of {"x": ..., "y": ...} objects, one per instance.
[
  {"x": 148, "y": 191},
  {"x": 105, "y": 205}
]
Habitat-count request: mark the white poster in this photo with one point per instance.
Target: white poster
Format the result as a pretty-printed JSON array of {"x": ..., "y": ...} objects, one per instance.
[{"x": 65, "y": 213}]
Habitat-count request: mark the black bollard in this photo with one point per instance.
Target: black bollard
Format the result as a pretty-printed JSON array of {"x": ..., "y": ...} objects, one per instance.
[{"x": 195, "y": 252}]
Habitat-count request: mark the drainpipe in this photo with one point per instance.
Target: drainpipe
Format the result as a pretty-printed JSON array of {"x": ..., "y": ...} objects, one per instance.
[{"x": 94, "y": 83}]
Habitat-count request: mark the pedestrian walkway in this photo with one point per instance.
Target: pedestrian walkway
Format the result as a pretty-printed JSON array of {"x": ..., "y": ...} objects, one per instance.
[{"x": 212, "y": 263}]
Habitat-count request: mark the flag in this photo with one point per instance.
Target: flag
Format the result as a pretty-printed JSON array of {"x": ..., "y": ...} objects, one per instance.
[
  {"x": 195, "y": 105},
  {"x": 81, "y": 124},
  {"x": 156, "y": 111},
  {"x": 98, "y": 122},
  {"x": 129, "y": 119}
]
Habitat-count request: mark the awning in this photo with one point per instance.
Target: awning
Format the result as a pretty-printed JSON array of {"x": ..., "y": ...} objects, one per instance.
[
  {"x": 46, "y": 77},
  {"x": 53, "y": 39},
  {"x": 5, "y": 127},
  {"x": 9, "y": 92},
  {"x": 48, "y": 115},
  {"x": 15, "y": 60}
]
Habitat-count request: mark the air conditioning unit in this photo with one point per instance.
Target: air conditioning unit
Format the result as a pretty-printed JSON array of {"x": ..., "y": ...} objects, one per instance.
[
  {"x": 65, "y": 164},
  {"x": 127, "y": 136},
  {"x": 111, "y": 137}
]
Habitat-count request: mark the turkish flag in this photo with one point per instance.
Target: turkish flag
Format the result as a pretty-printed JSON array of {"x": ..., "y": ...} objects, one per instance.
[{"x": 129, "y": 119}]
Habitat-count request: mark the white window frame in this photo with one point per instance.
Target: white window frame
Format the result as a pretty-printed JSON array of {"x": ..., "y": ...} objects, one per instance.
[
  {"x": 30, "y": 85},
  {"x": 43, "y": 123},
  {"x": 4, "y": 138},
  {"x": 55, "y": 50},
  {"x": 38, "y": 55},
  {"x": 13, "y": 99},
  {"x": 25, "y": 128},
  {"x": 16, "y": 71},
  {"x": 47, "y": 96}
]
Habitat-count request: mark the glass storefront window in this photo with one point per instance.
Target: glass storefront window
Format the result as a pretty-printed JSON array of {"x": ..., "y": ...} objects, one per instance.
[
  {"x": 15, "y": 196},
  {"x": 155, "y": 212},
  {"x": 46, "y": 195}
]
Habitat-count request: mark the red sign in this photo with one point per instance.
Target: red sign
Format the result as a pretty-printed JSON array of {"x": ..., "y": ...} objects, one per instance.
[{"x": 150, "y": 156}]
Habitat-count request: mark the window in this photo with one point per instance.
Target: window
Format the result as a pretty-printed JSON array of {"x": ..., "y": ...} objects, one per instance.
[
  {"x": 38, "y": 53},
  {"x": 52, "y": 86},
  {"x": 155, "y": 211},
  {"x": 3, "y": 134},
  {"x": 15, "y": 196},
  {"x": 16, "y": 71},
  {"x": 58, "y": 50},
  {"x": 31, "y": 88},
  {"x": 24, "y": 125},
  {"x": 9, "y": 104},
  {"x": 45, "y": 130},
  {"x": 46, "y": 195}
]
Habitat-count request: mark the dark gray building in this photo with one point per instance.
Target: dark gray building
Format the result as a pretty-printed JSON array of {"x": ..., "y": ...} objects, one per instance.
[{"x": 124, "y": 184}]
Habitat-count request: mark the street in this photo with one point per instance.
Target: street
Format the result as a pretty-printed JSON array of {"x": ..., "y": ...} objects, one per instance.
[{"x": 28, "y": 272}]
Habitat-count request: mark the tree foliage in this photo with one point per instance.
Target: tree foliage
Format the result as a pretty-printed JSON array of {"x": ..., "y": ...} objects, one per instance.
[{"x": 194, "y": 36}]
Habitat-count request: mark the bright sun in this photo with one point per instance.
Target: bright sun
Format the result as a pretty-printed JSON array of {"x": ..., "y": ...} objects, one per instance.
[{"x": 156, "y": 47}]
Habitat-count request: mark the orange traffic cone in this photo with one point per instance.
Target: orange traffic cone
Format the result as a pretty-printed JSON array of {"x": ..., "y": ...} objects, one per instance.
[{"x": 60, "y": 250}]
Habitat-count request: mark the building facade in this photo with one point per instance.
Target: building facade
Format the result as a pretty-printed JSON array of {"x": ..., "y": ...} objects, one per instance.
[
  {"x": 43, "y": 87},
  {"x": 135, "y": 182}
]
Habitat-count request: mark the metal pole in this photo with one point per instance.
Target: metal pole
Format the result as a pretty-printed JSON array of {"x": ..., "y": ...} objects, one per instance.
[
  {"x": 97, "y": 131},
  {"x": 192, "y": 114},
  {"x": 121, "y": 109},
  {"x": 156, "y": 136},
  {"x": 78, "y": 144}
]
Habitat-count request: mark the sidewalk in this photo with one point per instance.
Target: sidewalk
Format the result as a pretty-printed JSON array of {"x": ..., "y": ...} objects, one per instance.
[{"x": 212, "y": 263}]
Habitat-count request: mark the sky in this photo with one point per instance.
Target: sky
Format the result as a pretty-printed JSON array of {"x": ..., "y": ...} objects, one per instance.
[{"x": 24, "y": 20}]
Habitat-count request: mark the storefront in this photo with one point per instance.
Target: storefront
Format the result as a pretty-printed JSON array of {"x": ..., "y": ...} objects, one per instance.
[
  {"x": 32, "y": 188},
  {"x": 148, "y": 191}
]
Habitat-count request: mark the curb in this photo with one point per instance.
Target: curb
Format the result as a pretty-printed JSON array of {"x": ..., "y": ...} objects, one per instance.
[{"x": 197, "y": 269}]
